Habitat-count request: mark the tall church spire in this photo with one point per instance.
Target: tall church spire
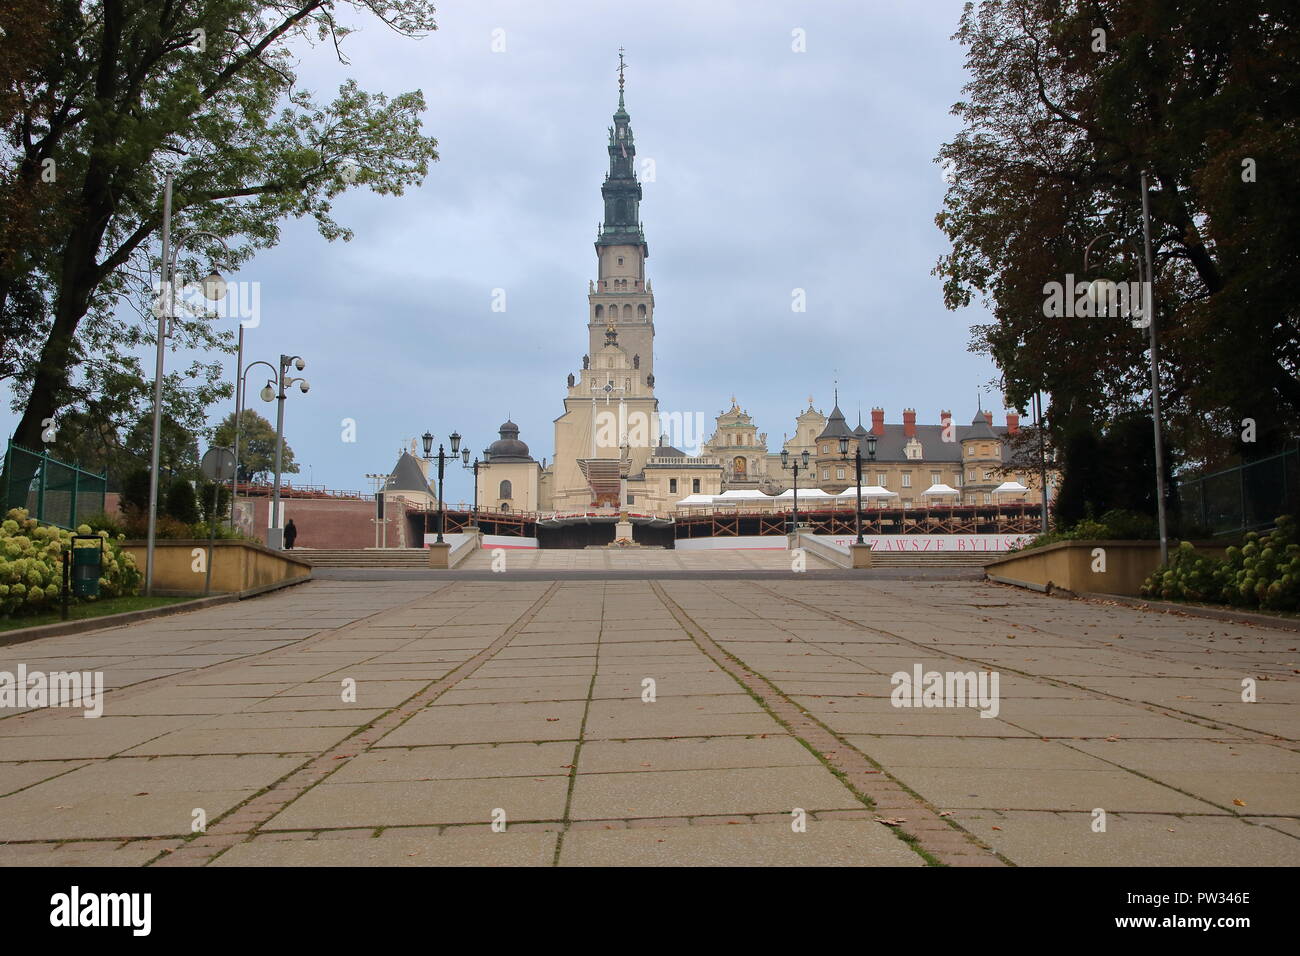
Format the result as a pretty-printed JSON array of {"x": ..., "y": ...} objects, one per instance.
[{"x": 622, "y": 191}]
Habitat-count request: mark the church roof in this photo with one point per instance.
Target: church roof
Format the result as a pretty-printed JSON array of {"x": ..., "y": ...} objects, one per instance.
[
  {"x": 407, "y": 475},
  {"x": 508, "y": 447},
  {"x": 836, "y": 426}
]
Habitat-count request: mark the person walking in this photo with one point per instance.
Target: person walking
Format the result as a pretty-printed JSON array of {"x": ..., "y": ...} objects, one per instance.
[{"x": 290, "y": 534}]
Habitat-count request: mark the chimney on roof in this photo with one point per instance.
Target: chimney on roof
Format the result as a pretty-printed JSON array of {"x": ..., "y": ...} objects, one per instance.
[
  {"x": 945, "y": 417},
  {"x": 988, "y": 417},
  {"x": 909, "y": 422},
  {"x": 877, "y": 421},
  {"x": 1013, "y": 422}
]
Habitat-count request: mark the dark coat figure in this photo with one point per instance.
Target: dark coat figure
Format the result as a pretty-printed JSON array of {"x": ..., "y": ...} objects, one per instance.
[{"x": 290, "y": 534}]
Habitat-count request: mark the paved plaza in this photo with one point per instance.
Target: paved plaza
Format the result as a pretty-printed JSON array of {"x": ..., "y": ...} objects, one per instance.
[{"x": 578, "y": 721}]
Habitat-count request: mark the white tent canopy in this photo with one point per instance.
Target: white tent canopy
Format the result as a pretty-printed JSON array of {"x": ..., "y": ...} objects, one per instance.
[
  {"x": 695, "y": 501},
  {"x": 940, "y": 491},
  {"x": 741, "y": 494},
  {"x": 869, "y": 491},
  {"x": 804, "y": 493},
  {"x": 1010, "y": 488}
]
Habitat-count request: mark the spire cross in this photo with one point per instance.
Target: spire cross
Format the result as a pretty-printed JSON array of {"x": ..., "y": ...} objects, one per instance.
[{"x": 621, "y": 66}]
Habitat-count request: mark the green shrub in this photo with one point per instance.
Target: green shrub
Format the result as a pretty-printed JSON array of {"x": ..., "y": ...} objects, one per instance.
[
  {"x": 1114, "y": 525},
  {"x": 31, "y": 568},
  {"x": 181, "y": 503},
  {"x": 1264, "y": 572}
]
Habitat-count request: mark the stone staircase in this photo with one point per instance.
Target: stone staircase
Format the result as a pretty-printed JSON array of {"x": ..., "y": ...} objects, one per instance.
[
  {"x": 364, "y": 557},
  {"x": 933, "y": 559}
]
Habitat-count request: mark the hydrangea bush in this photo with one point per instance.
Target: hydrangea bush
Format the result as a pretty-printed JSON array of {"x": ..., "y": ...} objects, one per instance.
[
  {"x": 31, "y": 570},
  {"x": 1263, "y": 572}
]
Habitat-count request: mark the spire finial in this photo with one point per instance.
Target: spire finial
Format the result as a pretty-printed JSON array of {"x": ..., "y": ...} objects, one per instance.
[{"x": 621, "y": 67}]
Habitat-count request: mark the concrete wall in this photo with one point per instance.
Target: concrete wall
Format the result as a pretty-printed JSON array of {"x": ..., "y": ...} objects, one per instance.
[
  {"x": 1069, "y": 565},
  {"x": 236, "y": 566}
]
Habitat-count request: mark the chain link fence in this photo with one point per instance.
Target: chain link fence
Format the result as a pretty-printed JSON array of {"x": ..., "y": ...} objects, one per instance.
[
  {"x": 1248, "y": 497},
  {"x": 52, "y": 491}
]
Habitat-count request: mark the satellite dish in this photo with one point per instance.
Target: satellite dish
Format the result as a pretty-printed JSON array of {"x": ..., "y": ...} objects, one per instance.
[{"x": 218, "y": 464}]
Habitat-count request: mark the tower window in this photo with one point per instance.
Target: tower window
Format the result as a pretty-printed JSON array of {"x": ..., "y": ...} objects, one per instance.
[
  {"x": 620, "y": 260},
  {"x": 672, "y": 486},
  {"x": 505, "y": 490},
  {"x": 695, "y": 486}
]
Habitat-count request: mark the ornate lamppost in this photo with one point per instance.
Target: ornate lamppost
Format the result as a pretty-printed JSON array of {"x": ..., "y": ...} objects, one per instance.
[
  {"x": 857, "y": 468},
  {"x": 800, "y": 462},
  {"x": 276, "y": 390},
  {"x": 441, "y": 457}
]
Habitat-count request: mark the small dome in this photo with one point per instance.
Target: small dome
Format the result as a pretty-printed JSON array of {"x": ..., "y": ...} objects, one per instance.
[{"x": 508, "y": 447}]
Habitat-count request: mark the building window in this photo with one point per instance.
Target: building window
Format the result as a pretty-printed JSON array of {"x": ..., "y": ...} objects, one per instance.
[
  {"x": 934, "y": 477},
  {"x": 907, "y": 479},
  {"x": 988, "y": 499},
  {"x": 695, "y": 486},
  {"x": 839, "y": 474},
  {"x": 970, "y": 475},
  {"x": 672, "y": 486},
  {"x": 631, "y": 499},
  {"x": 620, "y": 260},
  {"x": 826, "y": 474},
  {"x": 881, "y": 478},
  {"x": 988, "y": 475},
  {"x": 505, "y": 490}
]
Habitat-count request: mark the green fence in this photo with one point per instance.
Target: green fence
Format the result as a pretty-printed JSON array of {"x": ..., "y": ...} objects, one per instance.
[
  {"x": 52, "y": 491},
  {"x": 1246, "y": 498}
]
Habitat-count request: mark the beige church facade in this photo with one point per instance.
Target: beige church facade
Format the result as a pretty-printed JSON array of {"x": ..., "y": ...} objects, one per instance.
[{"x": 609, "y": 453}]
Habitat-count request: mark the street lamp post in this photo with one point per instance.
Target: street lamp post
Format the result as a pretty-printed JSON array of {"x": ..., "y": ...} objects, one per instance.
[
  {"x": 801, "y": 461},
  {"x": 464, "y": 456},
  {"x": 1146, "y": 277},
  {"x": 442, "y": 465},
  {"x": 214, "y": 288},
  {"x": 857, "y": 468},
  {"x": 275, "y": 390}
]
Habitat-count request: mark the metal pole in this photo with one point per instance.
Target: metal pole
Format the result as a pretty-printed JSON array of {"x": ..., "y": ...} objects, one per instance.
[
  {"x": 279, "y": 452},
  {"x": 1150, "y": 313},
  {"x": 163, "y": 313},
  {"x": 212, "y": 538},
  {"x": 1042, "y": 454},
  {"x": 858, "y": 514},
  {"x": 441, "y": 517},
  {"x": 239, "y": 411},
  {"x": 796, "y": 502}
]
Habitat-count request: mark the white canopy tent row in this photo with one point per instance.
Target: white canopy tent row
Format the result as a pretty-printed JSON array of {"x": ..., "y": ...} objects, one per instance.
[
  {"x": 941, "y": 491},
  {"x": 1009, "y": 488},
  {"x": 868, "y": 491},
  {"x": 811, "y": 494}
]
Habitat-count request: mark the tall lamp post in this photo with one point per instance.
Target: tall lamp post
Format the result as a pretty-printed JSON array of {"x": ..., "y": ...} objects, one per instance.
[
  {"x": 441, "y": 457},
  {"x": 214, "y": 289},
  {"x": 275, "y": 390},
  {"x": 800, "y": 462},
  {"x": 464, "y": 457},
  {"x": 1146, "y": 278},
  {"x": 857, "y": 469}
]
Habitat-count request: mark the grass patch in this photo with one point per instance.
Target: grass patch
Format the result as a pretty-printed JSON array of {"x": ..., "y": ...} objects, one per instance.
[{"x": 80, "y": 612}]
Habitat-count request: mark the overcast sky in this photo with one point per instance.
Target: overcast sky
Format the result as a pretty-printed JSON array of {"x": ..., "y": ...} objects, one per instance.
[{"x": 775, "y": 170}]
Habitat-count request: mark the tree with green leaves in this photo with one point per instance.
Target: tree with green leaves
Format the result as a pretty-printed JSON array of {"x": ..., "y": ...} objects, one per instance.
[
  {"x": 256, "y": 446},
  {"x": 1067, "y": 105},
  {"x": 111, "y": 94}
]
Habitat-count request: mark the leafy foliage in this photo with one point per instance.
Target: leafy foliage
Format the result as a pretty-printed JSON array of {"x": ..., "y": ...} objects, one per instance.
[
  {"x": 1264, "y": 572},
  {"x": 1056, "y": 132},
  {"x": 256, "y": 446},
  {"x": 31, "y": 571},
  {"x": 101, "y": 99}
]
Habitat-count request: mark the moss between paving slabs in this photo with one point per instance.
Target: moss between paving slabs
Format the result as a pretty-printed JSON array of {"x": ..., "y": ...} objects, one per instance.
[{"x": 79, "y": 612}]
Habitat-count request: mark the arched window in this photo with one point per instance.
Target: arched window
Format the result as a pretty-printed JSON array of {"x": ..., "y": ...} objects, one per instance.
[
  {"x": 627, "y": 312},
  {"x": 505, "y": 490},
  {"x": 640, "y": 311},
  {"x": 600, "y": 312}
]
